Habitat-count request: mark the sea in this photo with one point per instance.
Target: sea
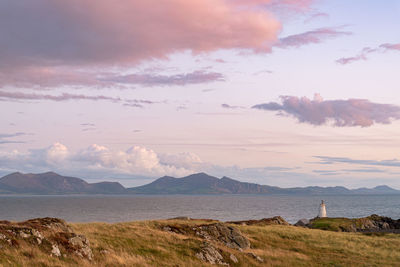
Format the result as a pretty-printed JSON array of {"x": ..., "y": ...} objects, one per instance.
[{"x": 121, "y": 208}]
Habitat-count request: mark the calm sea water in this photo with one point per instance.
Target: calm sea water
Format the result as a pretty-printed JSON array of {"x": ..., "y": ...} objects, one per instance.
[{"x": 227, "y": 207}]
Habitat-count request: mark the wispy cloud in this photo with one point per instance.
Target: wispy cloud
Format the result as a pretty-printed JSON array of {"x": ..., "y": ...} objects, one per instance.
[
  {"x": 388, "y": 46},
  {"x": 88, "y": 124},
  {"x": 62, "y": 97},
  {"x": 227, "y": 106},
  {"x": 5, "y": 136},
  {"x": 363, "y": 55},
  {"x": 360, "y": 56},
  {"x": 343, "y": 113},
  {"x": 332, "y": 160},
  {"x": 346, "y": 171},
  {"x": 195, "y": 77},
  {"x": 5, "y": 95},
  {"x": 315, "y": 16},
  {"x": 263, "y": 72},
  {"x": 311, "y": 37}
]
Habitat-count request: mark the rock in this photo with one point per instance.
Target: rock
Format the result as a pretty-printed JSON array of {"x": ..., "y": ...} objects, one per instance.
[
  {"x": 51, "y": 235},
  {"x": 220, "y": 232},
  {"x": 210, "y": 254},
  {"x": 233, "y": 258},
  {"x": 385, "y": 226},
  {"x": 167, "y": 229},
  {"x": 55, "y": 251},
  {"x": 81, "y": 246},
  {"x": 38, "y": 235},
  {"x": 24, "y": 235},
  {"x": 229, "y": 236},
  {"x": 303, "y": 222},
  {"x": 254, "y": 256}
]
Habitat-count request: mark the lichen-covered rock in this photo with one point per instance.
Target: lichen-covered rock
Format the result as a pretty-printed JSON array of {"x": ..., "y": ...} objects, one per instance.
[
  {"x": 211, "y": 255},
  {"x": 228, "y": 235},
  {"x": 219, "y": 232},
  {"x": 82, "y": 246},
  {"x": 52, "y": 235},
  {"x": 55, "y": 250}
]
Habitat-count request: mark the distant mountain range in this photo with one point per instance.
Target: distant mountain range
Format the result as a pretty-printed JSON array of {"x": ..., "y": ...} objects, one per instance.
[{"x": 51, "y": 183}]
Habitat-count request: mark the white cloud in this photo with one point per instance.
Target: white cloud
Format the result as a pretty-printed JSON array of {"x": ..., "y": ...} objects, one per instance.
[
  {"x": 136, "y": 160},
  {"x": 182, "y": 160}
]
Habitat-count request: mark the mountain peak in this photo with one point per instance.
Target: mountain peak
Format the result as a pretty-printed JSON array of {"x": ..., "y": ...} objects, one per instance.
[{"x": 383, "y": 187}]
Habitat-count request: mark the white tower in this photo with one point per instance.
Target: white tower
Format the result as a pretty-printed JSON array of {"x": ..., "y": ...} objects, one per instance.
[{"x": 322, "y": 210}]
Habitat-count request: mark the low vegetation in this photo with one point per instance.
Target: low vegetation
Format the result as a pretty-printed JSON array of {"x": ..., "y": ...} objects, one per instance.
[{"x": 178, "y": 243}]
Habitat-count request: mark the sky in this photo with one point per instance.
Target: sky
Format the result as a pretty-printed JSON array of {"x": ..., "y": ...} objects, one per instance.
[{"x": 278, "y": 92}]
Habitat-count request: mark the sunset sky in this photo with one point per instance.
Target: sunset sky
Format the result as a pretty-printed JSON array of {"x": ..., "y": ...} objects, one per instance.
[{"x": 278, "y": 92}]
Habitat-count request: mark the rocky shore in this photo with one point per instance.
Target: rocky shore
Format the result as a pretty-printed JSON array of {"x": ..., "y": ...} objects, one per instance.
[{"x": 370, "y": 224}]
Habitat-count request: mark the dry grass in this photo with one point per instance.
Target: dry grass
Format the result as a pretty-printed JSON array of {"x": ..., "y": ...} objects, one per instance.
[{"x": 144, "y": 244}]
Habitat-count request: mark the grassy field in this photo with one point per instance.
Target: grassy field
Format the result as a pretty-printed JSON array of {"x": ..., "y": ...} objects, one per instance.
[{"x": 146, "y": 244}]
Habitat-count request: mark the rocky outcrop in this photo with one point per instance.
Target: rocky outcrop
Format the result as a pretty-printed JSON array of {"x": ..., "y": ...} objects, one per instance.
[
  {"x": 214, "y": 235},
  {"x": 370, "y": 224},
  {"x": 277, "y": 220},
  {"x": 51, "y": 235},
  {"x": 219, "y": 232},
  {"x": 228, "y": 235}
]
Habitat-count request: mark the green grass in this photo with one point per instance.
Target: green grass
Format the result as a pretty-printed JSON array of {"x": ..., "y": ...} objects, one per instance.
[{"x": 333, "y": 224}]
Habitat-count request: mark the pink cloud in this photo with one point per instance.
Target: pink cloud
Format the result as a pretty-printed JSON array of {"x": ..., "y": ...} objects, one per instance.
[
  {"x": 52, "y": 43},
  {"x": 48, "y": 77},
  {"x": 84, "y": 32},
  {"x": 363, "y": 54},
  {"x": 351, "y": 112},
  {"x": 390, "y": 46},
  {"x": 227, "y": 106},
  {"x": 67, "y": 97},
  {"x": 195, "y": 77},
  {"x": 316, "y": 16},
  {"x": 62, "y": 97},
  {"x": 310, "y": 37}
]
